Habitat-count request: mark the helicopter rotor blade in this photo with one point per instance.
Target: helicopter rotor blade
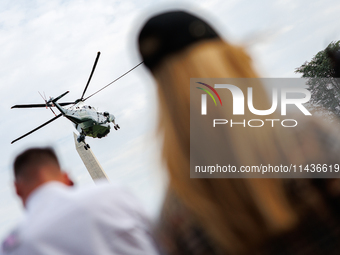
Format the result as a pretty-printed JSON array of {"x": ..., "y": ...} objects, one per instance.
[
  {"x": 114, "y": 81},
  {"x": 37, "y": 128},
  {"x": 30, "y": 105},
  {"x": 39, "y": 105},
  {"x": 88, "y": 82}
]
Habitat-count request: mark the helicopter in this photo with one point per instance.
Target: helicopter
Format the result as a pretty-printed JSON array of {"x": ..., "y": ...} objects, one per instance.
[{"x": 86, "y": 119}]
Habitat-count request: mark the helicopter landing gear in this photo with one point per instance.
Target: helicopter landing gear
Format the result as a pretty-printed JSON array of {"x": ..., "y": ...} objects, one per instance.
[{"x": 81, "y": 138}]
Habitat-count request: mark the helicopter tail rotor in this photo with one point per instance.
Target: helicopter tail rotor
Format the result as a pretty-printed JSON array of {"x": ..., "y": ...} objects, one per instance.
[{"x": 47, "y": 103}]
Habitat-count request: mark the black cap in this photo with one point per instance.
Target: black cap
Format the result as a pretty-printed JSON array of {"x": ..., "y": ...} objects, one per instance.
[{"x": 170, "y": 32}]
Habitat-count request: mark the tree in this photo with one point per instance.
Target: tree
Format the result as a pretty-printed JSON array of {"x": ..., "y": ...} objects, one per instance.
[{"x": 325, "y": 89}]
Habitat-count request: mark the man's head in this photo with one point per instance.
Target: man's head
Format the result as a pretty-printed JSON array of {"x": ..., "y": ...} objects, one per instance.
[{"x": 35, "y": 167}]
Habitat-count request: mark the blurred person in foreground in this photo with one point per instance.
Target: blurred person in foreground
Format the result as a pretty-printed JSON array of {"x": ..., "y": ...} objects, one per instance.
[
  {"x": 60, "y": 219},
  {"x": 233, "y": 216}
]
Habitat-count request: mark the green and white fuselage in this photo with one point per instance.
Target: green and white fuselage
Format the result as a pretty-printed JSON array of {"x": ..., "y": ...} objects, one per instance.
[{"x": 87, "y": 120}]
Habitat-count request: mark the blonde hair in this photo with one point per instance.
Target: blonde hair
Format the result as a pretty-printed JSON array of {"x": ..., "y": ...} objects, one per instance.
[{"x": 237, "y": 213}]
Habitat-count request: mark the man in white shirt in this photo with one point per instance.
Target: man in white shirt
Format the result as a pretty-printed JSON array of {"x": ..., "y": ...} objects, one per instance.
[{"x": 60, "y": 219}]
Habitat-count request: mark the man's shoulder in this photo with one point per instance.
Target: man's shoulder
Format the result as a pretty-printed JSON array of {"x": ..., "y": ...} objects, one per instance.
[
  {"x": 53, "y": 200},
  {"x": 103, "y": 210},
  {"x": 110, "y": 196}
]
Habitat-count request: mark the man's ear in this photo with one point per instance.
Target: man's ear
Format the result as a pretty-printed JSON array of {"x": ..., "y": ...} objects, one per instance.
[
  {"x": 66, "y": 180},
  {"x": 18, "y": 189}
]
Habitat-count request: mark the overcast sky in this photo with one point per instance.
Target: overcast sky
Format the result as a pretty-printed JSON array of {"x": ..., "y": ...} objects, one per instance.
[{"x": 50, "y": 46}]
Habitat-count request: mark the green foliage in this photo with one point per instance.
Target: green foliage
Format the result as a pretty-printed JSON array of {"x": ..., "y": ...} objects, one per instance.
[
  {"x": 324, "y": 88},
  {"x": 320, "y": 65}
]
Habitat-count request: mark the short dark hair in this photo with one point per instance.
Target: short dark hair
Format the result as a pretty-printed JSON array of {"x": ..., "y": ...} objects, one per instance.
[{"x": 34, "y": 157}]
